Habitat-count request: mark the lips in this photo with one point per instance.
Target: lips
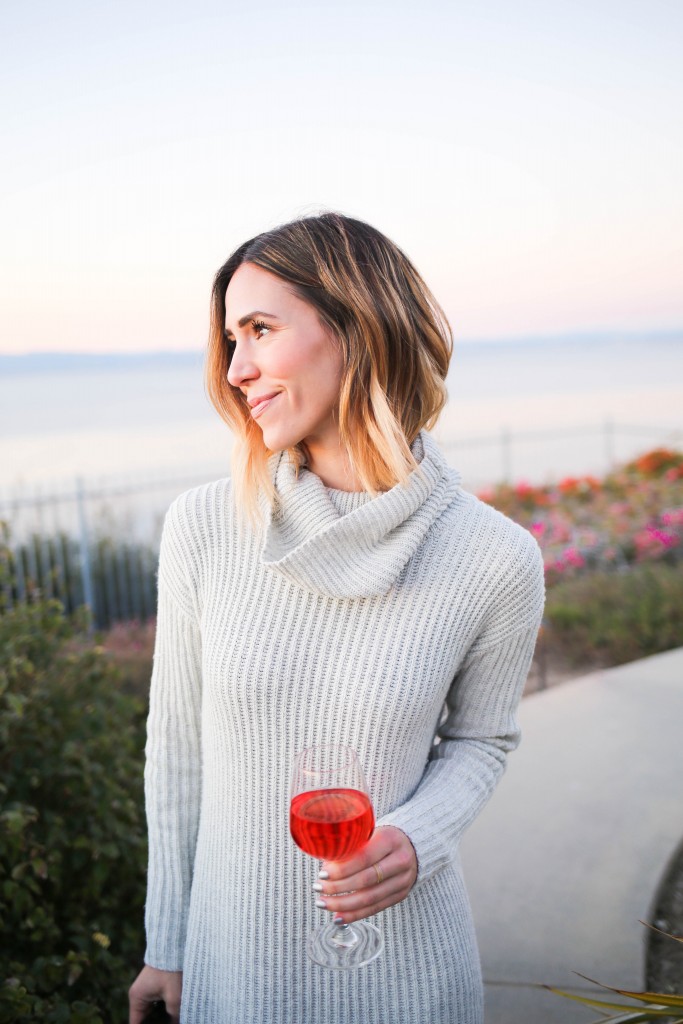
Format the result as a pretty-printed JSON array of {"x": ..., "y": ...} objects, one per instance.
[{"x": 261, "y": 404}]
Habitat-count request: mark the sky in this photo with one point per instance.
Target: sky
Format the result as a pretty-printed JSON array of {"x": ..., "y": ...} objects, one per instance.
[{"x": 526, "y": 155}]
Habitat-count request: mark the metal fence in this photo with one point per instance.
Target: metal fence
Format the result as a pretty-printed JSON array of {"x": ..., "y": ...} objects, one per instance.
[
  {"x": 88, "y": 543},
  {"x": 96, "y": 543},
  {"x": 547, "y": 455}
]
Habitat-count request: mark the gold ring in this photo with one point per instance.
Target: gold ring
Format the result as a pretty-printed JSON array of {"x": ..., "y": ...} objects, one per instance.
[{"x": 378, "y": 871}]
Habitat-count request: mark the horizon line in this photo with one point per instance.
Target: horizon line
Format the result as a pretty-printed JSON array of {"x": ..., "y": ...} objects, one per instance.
[{"x": 608, "y": 334}]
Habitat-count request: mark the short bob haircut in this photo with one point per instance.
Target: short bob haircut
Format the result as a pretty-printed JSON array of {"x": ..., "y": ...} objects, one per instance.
[{"x": 395, "y": 338}]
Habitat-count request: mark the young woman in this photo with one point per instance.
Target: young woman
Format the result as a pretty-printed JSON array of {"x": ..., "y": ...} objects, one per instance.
[{"x": 340, "y": 588}]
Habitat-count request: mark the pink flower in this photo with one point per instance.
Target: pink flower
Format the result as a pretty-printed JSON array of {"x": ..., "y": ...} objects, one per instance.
[
  {"x": 667, "y": 539},
  {"x": 572, "y": 557}
]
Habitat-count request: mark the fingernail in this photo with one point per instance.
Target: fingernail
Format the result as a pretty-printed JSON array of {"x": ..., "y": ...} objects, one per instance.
[
  {"x": 321, "y": 904},
  {"x": 317, "y": 887},
  {"x": 338, "y": 919},
  {"x": 323, "y": 874}
]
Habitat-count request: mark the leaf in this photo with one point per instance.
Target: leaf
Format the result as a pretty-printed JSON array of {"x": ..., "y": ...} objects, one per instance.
[
  {"x": 75, "y": 971},
  {"x": 40, "y": 867},
  {"x": 654, "y": 1012},
  {"x": 16, "y": 703},
  {"x": 668, "y": 935},
  {"x": 644, "y": 997},
  {"x": 638, "y": 1017}
]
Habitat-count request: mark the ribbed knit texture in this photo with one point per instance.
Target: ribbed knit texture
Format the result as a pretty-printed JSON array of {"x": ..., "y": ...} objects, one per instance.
[{"x": 403, "y": 625}]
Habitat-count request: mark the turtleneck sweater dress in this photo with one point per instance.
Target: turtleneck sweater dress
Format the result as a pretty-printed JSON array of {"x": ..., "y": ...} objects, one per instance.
[{"x": 403, "y": 625}]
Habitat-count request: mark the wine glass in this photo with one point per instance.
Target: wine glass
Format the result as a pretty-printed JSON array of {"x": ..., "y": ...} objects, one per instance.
[{"x": 331, "y": 817}]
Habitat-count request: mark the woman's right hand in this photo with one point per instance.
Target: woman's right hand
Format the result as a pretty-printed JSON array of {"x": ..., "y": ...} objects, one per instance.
[{"x": 149, "y": 987}]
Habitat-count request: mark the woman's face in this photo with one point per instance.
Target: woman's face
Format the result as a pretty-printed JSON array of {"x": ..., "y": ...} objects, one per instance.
[{"x": 285, "y": 362}]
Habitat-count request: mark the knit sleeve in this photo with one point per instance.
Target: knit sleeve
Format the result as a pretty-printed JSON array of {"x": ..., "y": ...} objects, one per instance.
[
  {"x": 479, "y": 727},
  {"x": 173, "y": 757}
]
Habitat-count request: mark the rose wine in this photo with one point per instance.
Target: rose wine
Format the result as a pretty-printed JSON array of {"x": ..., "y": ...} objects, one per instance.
[{"x": 331, "y": 824}]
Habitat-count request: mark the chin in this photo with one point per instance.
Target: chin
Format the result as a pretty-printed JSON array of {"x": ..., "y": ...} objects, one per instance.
[{"x": 279, "y": 440}]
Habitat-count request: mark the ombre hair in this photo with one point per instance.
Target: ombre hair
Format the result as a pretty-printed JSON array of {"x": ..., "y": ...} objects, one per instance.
[{"x": 394, "y": 336}]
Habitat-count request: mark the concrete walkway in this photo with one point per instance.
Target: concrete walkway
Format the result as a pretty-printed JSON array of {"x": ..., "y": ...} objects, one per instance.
[{"x": 568, "y": 854}]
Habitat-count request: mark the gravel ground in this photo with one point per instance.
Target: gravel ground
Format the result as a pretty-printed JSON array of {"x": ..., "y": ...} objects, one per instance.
[{"x": 664, "y": 967}]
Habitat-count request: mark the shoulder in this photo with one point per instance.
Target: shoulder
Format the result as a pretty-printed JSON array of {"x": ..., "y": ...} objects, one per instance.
[
  {"x": 195, "y": 509},
  {"x": 501, "y": 562},
  {"x": 489, "y": 534},
  {"x": 191, "y": 523}
]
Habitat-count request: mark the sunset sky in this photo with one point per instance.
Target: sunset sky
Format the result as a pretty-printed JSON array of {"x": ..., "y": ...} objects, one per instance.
[{"x": 527, "y": 156}]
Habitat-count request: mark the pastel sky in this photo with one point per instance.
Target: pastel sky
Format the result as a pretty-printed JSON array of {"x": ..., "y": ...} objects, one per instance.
[{"x": 528, "y": 156}]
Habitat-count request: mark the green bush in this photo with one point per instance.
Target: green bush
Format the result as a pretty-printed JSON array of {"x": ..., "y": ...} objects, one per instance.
[
  {"x": 614, "y": 617},
  {"x": 72, "y": 828}
]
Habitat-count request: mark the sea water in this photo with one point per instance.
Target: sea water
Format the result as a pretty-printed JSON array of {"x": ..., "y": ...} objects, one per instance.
[{"x": 534, "y": 410}]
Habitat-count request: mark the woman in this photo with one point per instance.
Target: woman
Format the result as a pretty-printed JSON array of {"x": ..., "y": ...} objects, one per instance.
[{"x": 341, "y": 588}]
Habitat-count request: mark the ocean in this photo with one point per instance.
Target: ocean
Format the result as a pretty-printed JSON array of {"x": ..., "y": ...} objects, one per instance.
[{"x": 533, "y": 410}]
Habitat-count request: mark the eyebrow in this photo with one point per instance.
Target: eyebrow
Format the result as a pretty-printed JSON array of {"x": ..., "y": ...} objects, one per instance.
[{"x": 243, "y": 321}]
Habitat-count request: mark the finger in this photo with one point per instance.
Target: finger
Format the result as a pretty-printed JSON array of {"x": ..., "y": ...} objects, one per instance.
[
  {"x": 369, "y": 877},
  {"x": 377, "y": 847},
  {"x": 399, "y": 861},
  {"x": 349, "y": 917},
  {"x": 138, "y": 1008},
  {"x": 394, "y": 888}
]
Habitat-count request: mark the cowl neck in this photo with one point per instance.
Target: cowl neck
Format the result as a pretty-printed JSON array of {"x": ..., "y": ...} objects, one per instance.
[{"x": 362, "y": 553}]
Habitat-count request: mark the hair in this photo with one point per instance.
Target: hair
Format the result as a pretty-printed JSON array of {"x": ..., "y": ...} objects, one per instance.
[{"x": 395, "y": 339}]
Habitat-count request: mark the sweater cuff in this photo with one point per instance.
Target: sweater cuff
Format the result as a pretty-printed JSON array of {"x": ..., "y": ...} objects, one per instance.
[
  {"x": 431, "y": 851},
  {"x": 161, "y": 963},
  {"x": 451, "y": 794}
]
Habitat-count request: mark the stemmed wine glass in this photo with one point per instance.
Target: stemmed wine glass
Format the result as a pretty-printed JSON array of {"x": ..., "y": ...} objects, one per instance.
[{"x": 331, "y": 817}]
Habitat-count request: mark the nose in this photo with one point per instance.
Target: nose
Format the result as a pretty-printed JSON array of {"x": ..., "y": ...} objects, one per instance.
[{"x": 242, "y": 367}]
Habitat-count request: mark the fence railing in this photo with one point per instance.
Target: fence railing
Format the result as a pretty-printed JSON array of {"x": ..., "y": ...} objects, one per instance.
[
  {"x": 93, "y": 544},
  {"x": 117, "y": 581},
  {"x": 96, "y": 543},
  {"x": 592, "y": 448}
]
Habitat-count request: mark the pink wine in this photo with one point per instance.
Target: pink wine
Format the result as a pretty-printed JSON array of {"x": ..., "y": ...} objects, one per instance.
[{"x": 331, "y": 824}]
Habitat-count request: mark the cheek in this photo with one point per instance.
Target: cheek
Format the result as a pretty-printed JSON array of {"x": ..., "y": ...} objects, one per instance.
[{"x": 313, "y": 374}]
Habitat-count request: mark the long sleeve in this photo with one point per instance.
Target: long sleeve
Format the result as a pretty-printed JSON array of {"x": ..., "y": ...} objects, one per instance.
[
  {"x": 480, "y": 726},
  {"x": 173, "y": 757},
  {"x": 441, "y": 603}
]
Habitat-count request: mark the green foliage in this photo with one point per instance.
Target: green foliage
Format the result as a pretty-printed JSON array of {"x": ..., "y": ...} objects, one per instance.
[
  {"x": 614, "y": 617},
  {"x": 72, "y": 829}
]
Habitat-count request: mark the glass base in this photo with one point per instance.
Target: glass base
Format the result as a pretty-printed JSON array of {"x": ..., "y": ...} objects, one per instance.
[{"x": 345, "y": 946}]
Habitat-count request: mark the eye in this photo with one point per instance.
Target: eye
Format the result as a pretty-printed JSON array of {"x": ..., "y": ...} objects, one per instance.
[{"x": 260, "y": 328}]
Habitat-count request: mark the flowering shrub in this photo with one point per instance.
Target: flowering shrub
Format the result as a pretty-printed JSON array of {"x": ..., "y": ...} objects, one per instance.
[
  {"x": 634, "y": 515},
  {"x": 657, "y": 462}
]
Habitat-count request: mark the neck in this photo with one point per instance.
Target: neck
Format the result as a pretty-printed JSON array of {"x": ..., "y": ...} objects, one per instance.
[{"x": 332, "y": 464}]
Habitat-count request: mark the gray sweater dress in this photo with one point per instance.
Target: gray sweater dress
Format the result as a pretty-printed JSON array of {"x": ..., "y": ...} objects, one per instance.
[{"x": 403, "y": 625}]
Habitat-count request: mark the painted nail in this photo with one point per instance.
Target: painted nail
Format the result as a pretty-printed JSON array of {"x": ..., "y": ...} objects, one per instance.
[
  {"x": 323, "y": 874},
  {"x": 317, "y": 887},
  {"x": 321, "y": 904},
  {"x": 338, "y": 919}
]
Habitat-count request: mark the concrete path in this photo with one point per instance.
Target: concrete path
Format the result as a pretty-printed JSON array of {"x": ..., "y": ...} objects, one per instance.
[{"x": 568, "y": 854}]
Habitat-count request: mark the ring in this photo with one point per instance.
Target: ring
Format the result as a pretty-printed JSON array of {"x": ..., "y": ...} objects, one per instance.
[{"x": 380, "y": 876}]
